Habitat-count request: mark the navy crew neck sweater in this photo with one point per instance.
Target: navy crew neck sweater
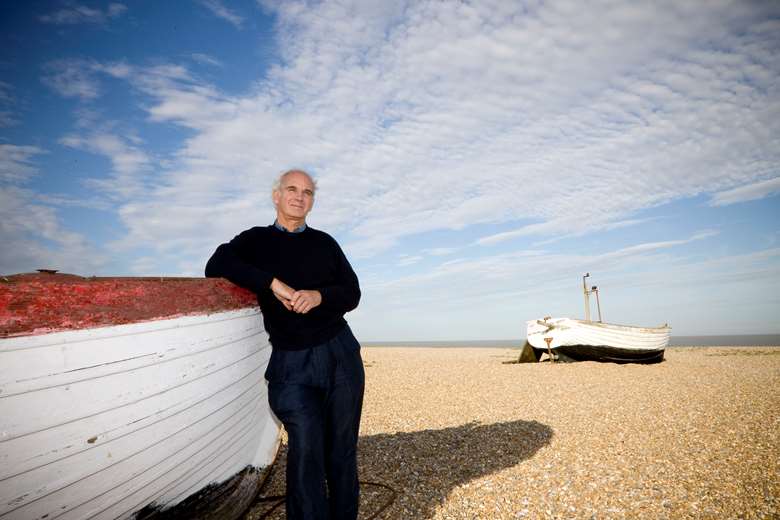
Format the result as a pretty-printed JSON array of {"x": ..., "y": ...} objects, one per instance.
[{"x": 310, "y": 259}]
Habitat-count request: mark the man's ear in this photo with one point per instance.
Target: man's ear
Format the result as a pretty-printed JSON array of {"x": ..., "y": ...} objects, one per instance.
[{"x": 275, "y": 196}]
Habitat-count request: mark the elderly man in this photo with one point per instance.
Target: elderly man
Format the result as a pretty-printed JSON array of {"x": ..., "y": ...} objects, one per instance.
[{"x": 305, "y": 285}]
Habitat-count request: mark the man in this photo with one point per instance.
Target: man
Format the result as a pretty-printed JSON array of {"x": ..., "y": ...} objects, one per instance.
[{"x": 305, "y": 285}]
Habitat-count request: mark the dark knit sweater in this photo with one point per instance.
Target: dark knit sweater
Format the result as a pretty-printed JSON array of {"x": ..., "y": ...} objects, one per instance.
[{"x": 310, "y": 259}]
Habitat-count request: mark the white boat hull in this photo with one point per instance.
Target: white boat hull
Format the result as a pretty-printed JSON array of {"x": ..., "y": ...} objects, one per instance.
[
  {"x": 101, "y": 423},
  {"x": 584, "y": 340}
]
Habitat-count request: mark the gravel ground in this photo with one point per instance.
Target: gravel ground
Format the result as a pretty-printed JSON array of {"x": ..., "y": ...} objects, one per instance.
[{"x": 461, "y": 434}]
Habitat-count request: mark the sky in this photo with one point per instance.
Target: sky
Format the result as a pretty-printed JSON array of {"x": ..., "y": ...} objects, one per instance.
[{"x": 473, "y": 159}]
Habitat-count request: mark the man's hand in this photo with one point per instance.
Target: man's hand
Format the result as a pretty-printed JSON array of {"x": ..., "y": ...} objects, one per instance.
[
  {"x": 296, "y": 301},
  {"x": 283, "y": 292},
  {"x": 304, "y": 301}
]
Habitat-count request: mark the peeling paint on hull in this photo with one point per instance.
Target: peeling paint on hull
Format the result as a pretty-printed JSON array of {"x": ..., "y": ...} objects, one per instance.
[{"x": 42, "y": 303}]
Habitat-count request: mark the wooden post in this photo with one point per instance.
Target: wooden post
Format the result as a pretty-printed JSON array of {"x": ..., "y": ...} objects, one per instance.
[
  {"x": 549, "y": 350},
  {"x": 598, "y": 304}
]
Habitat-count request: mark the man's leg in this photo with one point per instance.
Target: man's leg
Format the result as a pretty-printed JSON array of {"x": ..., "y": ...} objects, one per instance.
[
  {"x": 343, "y": 409},
  {"x": 299, "y": 407}
]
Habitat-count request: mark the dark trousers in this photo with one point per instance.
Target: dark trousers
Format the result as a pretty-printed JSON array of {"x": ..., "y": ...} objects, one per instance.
[{"x": 317, "y": 393}]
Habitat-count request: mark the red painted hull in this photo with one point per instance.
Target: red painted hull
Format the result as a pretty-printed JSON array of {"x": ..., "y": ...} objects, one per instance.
[{"x": 40, "y": 303}]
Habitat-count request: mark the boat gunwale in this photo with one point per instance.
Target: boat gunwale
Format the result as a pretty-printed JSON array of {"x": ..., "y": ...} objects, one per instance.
[{"x": 598, "y": 324}]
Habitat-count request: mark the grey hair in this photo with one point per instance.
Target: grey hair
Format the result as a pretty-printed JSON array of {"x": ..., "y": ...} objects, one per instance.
[{"x": 278, "y": 182}]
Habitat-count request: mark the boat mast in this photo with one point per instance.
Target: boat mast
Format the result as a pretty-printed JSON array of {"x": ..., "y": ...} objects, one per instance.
[
  {"x": 595, "y": 290},
  {"x": 587, "y": 294}
]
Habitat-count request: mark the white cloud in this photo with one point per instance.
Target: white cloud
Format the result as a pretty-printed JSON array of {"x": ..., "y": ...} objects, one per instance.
[
  {"x": 78, "y": 14},
  {"x": 5, "y": 92},
  {"x": 655, "y": 246},
  {"x": 219, "y": 10},
  {"x": 6, "y": 98},
  {"x": 72, "y": 78},
  {"x": 31, "y": 232},
  {"x": 115, "y": 9},
  {"x": 426, "y": 116},
  {"x": 7, "y": 119},
  {"x": 39, "y": 239},
  {"x": 117, "y": 69},
  {"x": 404, "y": 260},
  {"x": 440, "y": 251},
  {"x": 68, "y": 201},
  {"x": 16, "y": 165},
  {"x": 559, "y": 229},
  {"x": 641, "y": 284},
  {"x": 531, "y": 229},
  {"x": 129, "y": 163},
  {"x": 458, "y": 281},
  {"x": 754, "y": 191},
  {"x": 205, "y": 59},
  {"x": 79, "y": 77},
  {"x": 438, "y": 116}
]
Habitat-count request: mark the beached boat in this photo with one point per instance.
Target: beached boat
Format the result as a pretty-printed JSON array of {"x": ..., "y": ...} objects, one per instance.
[
  {"x": 131, "y": 398},
  {"x": 582, "y": 340},
  {"x": 585, "y": 340}
]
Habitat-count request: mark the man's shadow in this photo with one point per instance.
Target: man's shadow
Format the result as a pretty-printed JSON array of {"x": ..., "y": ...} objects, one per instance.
[{"x": 423, "y": 467}]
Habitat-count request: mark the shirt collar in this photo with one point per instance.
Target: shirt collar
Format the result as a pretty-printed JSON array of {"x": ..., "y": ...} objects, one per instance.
[{"x": 299, "y": 229}]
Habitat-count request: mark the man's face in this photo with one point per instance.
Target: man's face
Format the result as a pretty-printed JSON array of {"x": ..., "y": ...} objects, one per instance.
[{"x": 295, "y": 197}]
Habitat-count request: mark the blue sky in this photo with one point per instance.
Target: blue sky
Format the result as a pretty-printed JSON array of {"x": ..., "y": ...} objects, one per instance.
[{"x": 474, "y": 159}]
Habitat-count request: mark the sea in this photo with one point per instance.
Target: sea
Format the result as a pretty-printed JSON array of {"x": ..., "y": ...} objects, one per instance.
[{"x": 742, "y": 340}]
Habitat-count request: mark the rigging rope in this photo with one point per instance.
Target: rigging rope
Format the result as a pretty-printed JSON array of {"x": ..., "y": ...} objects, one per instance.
[{"x": 279, "y": 500}]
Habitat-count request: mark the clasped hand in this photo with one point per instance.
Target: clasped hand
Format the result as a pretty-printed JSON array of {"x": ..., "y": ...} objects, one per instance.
[{"x": 296, "y": 301}]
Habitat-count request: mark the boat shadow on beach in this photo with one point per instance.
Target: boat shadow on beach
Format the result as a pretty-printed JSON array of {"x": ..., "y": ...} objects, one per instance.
[{"x": 423, "y": 467}]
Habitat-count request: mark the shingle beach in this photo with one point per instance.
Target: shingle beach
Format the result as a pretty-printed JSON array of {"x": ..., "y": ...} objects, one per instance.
[{"x": 460, "y": 433}]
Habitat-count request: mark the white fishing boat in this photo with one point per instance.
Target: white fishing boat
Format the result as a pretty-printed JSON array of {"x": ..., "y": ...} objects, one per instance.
[
  {"x": 585, "y": 340},
  {"x": 131, "y": 398}
]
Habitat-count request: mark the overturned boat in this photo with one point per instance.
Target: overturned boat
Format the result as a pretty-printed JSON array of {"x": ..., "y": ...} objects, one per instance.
[
  {"x": 567, "y": 339},
  {"x": 131, "y": 398}
]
